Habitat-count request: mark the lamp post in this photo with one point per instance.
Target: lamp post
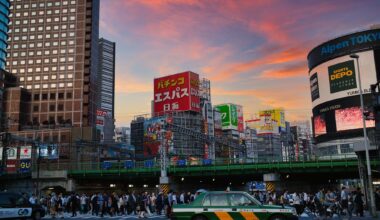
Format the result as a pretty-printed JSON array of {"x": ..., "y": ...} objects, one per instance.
[{"x": 370, "y": 186}]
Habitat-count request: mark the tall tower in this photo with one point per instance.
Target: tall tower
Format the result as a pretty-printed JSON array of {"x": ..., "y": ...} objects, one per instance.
[
  {"x": 52, "y": 49},
  {"x": 4, "y": 20},
  {"x": 106, "y": 82}
]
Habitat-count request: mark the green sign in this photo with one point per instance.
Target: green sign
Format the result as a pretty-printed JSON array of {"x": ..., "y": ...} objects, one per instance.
[
  {"x": 342, "y": 76},
  {"x": 225, "y": 114},
  {"x": 229, "y": 116}
]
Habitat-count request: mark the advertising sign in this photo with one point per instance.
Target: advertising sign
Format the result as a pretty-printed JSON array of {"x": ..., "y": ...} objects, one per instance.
[
  {"x": 1, "y": 153},
  {"x": 25, "y": 166},
  {"x": 240, "y": 119},
  {"x": 319, "y": 125},
  {"x": 99, "y": 122},
  {"x": 152, "y": 136},
  {"x": 314, "y": 87},
  {"x": 225, "y": 115},
  {"x": 350, "y": 118},
  {"x": 178, "y": 92},
  {"x": 48, "y": 151},
  {"x": 12, "y": 153},
  {"x": 101, "y": 113},
  {"x": 26, "y": 152},
  {"x": 11, "y": 166},
  {"x": 342, "y": 76},
  {"x": 337, "y": 77}
]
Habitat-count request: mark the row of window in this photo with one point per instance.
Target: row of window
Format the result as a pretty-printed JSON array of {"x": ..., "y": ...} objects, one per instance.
[
  {"x": 51, "y": 108},
  {"x": 47, "y": 36},
  {"x": 52, "y": 96},
  {"x": 42, "y": 28},
  {"x": 46, "y": 86},
  {"x": 34, "y": 13},
  {"x": 39, "y": 53},
  {"x": 53, "y": 60},
  {"x": 42, "y": 4},
  {"x": 46, "y": 77},
  {"x": 42, "y": 20},
  {"x": 56, "y": 11},
  {"x": 45, "y": 69}
]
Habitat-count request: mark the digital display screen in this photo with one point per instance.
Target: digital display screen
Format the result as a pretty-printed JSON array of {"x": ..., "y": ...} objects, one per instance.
[
  {"x": 350, "y": 118},
  {"x": 319, "y": 125}
]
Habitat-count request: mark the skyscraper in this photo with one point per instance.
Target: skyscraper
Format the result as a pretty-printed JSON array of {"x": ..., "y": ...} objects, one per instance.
[
  {"x": 106, "y": 82},
  {"x": 4, "y": 20},
  {"x": 52, "y": 49}
]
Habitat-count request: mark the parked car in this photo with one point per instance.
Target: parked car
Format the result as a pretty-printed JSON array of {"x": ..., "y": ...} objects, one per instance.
[
  {"x": 230, "y": 206},
  {"x": 16, "y": 206}
]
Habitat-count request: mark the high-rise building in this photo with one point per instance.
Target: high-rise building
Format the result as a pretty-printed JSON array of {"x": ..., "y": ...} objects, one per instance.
[
  {"x": 4, "y": 20},
  {"x": 106, "y": 85},
  {"x": 53, "y": 50}
]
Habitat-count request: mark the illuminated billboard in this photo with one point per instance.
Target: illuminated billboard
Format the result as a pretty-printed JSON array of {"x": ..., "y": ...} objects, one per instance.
[
  {"x": 153, "y": 138},
  {"x": 269, "y": 121},
  {"x": 336, "y": 78},
  {"x": 319, "y": 125},
  {"x": 232, "y": 116},
  {"x": 350, "y": 118},
  {"x": 178, "y": 92}
]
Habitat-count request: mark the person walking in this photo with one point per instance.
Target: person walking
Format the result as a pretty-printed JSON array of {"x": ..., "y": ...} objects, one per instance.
[
  {"x": 160, "y": 202},
  {"x": 132, "y": 202},
  {"x": 359, "y": 203},
  {"x": 60, "y": 206},
  {"x": 73, "y": 205}
]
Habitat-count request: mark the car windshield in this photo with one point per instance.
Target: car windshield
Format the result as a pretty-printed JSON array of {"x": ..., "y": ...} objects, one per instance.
[{"x": 254, "y": 201}]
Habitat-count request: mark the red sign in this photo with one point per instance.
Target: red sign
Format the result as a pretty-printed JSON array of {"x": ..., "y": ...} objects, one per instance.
[
  {"x": 101, "y": 113},
  {"x": 11, "y": 166},
  {"x": 178, "y": 92},
  {"x": 99, "y": 122}
]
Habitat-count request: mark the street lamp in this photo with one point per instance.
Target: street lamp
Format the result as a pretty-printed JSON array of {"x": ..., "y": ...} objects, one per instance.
[{"x": 370, "y": 186}]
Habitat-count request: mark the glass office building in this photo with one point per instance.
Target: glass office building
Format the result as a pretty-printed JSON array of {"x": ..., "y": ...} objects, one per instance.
[{"x": 4, "y": 20}]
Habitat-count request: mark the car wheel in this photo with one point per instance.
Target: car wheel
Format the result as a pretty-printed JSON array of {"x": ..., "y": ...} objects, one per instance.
[
  {"x": 277, "y": 217},
  {"x": 37, "y": 216},
  {"x": 199, "y": 217}
]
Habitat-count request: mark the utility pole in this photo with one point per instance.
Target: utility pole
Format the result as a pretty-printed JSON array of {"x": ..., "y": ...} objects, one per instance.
[{"x": 164, "y": 179}]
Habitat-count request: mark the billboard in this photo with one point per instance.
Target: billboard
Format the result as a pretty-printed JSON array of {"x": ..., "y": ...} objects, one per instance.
[
  {"x": 269, "y": 121},
  {"x": 48, "y": 151},
  {"x": 319, "y": 125},
  {"x": 350, "y": 118},
  {"x": 26, "y": 152},
  {"x": 232, "y": 116},
  {"x": 178, "y": 92},
  {"x": 152, "y": 137},
  {"x": 336, "y": 78}
]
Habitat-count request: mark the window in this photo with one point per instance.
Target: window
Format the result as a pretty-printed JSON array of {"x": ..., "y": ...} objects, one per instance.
[
  {"x": 69, "y": 95},
  {"x": 46, "y": 77},
  {"x": 44, "y": 96},
  {"x": 53, "y": 77},
  {"x": 218, "y": 200},
  {"x": 70, "y": 76},
  {"x": 36, "y": 86},
  {"x": 61, "y": 95},
  {"x": 53, "y": 85},
  {"x": 30, "y": 61},
  {"x": 52, "y": 95},
  {"x": 35, "y": 108},
  {"x": 45, "y": 86},
  {"x": 52, "y": 108},
  {"x": 21, "y": 79},
  {"x": 62, "y": 59},
  {"x": 61, "y": 85},
  {"x": 46, "y": 69},
  {"x": 37, "y": 77},
  {"x": 54, "y": 68},
  {"x": 61, "y": 76},
  {"x": 60, "y": 107},
  {"x": 239, "y": 199},
  {"x": 69, "y": 84}
]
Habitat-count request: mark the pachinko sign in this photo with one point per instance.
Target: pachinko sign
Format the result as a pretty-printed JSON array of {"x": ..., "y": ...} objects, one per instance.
[{"x": 178, "y": 92}]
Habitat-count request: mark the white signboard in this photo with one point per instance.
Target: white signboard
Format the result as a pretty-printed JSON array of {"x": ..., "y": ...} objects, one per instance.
[
  {"x": 337, "y": 78},
  {"x": 25, "y": 152}
]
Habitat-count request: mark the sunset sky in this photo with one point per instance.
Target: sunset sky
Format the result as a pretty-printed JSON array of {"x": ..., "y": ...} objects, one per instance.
[{"x": 254, "y": 52}]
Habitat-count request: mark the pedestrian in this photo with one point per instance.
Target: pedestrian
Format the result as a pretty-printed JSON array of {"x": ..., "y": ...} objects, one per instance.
[
  {"x": 73, "y": 205},
  {"x": 153, "y": 199},
  {"x": 377, "y": 199},
  {"x": 132, "y": 202},
  {"x": 53, "y": 204},
  {"x": 160, "y": 202},
  {"x": 83, "y": 203},
  {"x": 60, "y": 206},
  {"x": 33, "y": 199},
  {"x": 344, "y": 199},
  {"x": 359, "y": 202}
]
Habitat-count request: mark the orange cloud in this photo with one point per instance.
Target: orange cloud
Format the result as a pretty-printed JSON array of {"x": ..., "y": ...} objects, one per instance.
[{"x": 299, "y": 70}]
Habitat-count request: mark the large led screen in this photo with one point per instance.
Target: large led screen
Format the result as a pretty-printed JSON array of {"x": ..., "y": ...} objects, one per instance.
[
  {"x": 319, "y": 125},
  {"x": 350, "y": 118}
]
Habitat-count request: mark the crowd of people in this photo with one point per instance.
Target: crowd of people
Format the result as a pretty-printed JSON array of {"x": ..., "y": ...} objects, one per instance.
[
  {"x": 323, "y": 203},
  {"x": 112, "y": 204}
]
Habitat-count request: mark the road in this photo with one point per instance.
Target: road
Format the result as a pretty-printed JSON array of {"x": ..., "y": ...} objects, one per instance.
[{"x": 87, "y": 216}]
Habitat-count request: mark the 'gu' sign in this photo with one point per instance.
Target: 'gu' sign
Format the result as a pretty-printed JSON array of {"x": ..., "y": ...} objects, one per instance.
[{"x": 178, "y": 92}]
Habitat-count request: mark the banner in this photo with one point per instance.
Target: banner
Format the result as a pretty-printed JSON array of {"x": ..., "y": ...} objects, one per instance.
[
  {"x": 12, "y": 153},
  {"x": 11, "y": 166},
  {"x": 25, "y": 166},
  {"x": 342, "y": 76},
  {"x": 26, "y": 152},
  {"x": 1, "y": 153}
]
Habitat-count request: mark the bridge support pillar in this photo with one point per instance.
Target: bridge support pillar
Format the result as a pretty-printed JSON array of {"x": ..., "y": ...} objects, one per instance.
[
  {"x": 164, "y": 185},
  {"x": 270, "y": 180}
]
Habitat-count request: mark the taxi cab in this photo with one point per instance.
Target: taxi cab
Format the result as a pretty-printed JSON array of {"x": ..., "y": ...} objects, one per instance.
[
  {"x": 230, "y": 206},
  {"x": 15, "y": 206}
]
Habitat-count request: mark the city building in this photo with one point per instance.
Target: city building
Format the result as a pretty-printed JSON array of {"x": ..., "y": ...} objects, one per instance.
[
  {"x": 123, "y": 135},
  {"x": 106, "y": 84},
  {"x": 337, "y": 117},
  {"x": 4, "y": 20},
  {"x": 301, "y": 142},
  {"x": 52, "y": 49},
  {"x": 137, "y": 136}
]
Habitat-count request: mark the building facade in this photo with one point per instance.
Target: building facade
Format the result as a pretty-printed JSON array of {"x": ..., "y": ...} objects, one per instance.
[
  {"x": 52, "y": 49},
  {"x": 334, "y": 86},
  {"x": 4, "y": 20},
  {"x": 106, "y": 85}
]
